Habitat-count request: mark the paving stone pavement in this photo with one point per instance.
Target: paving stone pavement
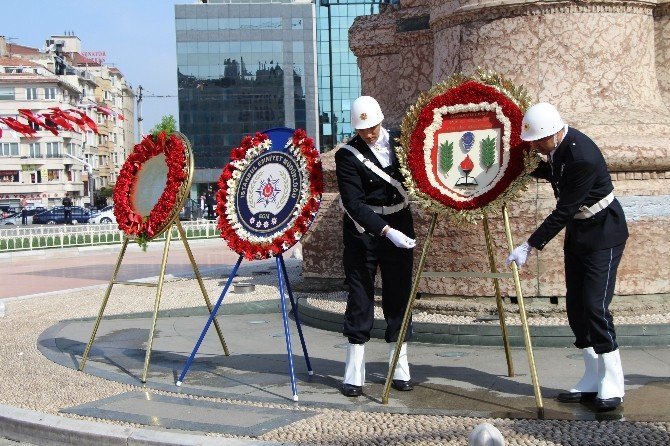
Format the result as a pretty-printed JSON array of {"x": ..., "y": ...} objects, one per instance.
[{"x": 246, "y": 397}]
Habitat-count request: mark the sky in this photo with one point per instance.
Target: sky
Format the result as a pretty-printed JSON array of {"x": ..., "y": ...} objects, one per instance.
[{"x": 138, "y": 37}]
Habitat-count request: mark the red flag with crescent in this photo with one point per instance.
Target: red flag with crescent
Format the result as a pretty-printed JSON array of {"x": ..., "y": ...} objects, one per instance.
[
  {"x": 87, "y": 120},
  {"x": 37, "y": 119},
  {"x": 18, "y": 126}
]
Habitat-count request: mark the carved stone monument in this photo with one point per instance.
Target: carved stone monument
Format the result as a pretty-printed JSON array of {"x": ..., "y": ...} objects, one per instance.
[{"x": 606, "y": 67}]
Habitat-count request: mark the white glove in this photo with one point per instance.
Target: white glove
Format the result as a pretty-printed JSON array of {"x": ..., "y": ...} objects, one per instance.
[
  {"x": 519, "y": 255},
  {"x": 399, "y": 239}
]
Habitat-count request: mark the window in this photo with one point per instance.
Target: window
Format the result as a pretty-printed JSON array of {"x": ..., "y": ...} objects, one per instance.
[
  {"x": 53, "y": 175},
  {"x": 35, "y": 151},
  {"x": 50, "y": 93},
  {"x": 9, "y": 149},
  {"x": 31, "y": 94},
  {"x": 9, "y": 176},
  {"x": 71, "y": 148},
  {"x": 53, "y": 150},
  {"x": 6, "y": 94}
]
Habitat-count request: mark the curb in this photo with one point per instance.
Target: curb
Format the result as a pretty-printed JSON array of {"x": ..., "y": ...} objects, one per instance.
[
  {"x": 25, "y": 425},
  {"x": 490, "y": 335}
]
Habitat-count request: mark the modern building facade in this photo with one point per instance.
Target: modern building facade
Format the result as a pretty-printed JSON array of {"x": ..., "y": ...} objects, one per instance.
[
  {"x": 339, "y": 76},
  {"x": 243, "y": 66},
  {"x": 36, "y": 170}
]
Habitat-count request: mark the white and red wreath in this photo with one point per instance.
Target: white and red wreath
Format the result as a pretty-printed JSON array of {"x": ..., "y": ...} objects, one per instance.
[
  {"x": 268, "y": 198},
  {"x": 463, "y": 153}
]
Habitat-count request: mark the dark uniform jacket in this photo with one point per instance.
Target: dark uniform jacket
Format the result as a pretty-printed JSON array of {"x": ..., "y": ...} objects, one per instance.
[
  {"x": 359, "y": 186},
  {"x": 579, "y": 176}
]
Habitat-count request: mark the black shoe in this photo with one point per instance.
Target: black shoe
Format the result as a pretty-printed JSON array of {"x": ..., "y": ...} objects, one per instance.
[
  {"x": 351, "y": 390},
  {"x": 403, "y": 386},
  {"x": 576, "y": 397},
  {"x": 604, "y": 405}
]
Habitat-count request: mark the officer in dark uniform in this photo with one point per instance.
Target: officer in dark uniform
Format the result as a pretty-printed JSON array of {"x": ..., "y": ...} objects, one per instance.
[
  {"x": 210, "y": 202},
  {"x": 67, "y": 209},
  {"x": 595, "y": 236},
  {"x": 378, "y": 232}
]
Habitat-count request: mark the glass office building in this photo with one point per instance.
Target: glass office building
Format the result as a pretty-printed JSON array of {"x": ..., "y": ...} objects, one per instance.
[
  {"x": 243, "y": 66},
  {"x": 339, "y": 76}
]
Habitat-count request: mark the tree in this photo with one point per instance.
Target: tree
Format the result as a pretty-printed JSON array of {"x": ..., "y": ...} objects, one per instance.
[
  {"x": 168, "y": 123},
  {"x": 100, "y": 197}
]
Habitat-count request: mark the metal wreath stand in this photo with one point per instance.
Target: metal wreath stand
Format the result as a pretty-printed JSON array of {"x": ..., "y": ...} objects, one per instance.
[
  {"x": 520, "y": 99},
  {"x": 276, "y": 135},
  {"x": 172, "y": 222}
]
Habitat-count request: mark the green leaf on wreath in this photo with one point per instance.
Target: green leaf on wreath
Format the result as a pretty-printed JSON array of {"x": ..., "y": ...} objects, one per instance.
[
  {"x": 446, "y": 156},
  {"x": 488, "y": 152}
]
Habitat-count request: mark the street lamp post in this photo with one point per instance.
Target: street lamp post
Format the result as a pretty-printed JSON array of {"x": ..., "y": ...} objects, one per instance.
[{"x": 89, "y": 170}]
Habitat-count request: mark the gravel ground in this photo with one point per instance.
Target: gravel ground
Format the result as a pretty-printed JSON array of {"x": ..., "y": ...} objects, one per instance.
[{"x": 31, "y": 381}]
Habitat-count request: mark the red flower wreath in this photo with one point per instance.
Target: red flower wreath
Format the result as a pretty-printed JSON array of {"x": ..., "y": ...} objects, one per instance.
[
  {"x": 127, "y": 217},
  {"x": 469, "y": 92},
  {"x": 258, "y": 248}
]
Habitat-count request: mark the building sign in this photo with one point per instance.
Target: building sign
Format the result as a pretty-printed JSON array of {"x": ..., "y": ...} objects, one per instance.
[
  {"x": 96, "y": 56},
  {"x": 31, "y": 196},
  {"x": 9, "y": 176}
]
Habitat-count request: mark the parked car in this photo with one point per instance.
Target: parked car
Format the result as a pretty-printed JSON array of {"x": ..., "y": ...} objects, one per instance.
[
  {"x": 105, "y": 216},
  {"x": 56, "y": 215},
  {"x": 6, "y": 211},
  {"x": 37, "y": 210},
  {"x": 11, "y": 219}
]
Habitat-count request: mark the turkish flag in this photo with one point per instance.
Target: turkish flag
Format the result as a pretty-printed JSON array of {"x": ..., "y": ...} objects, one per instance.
[
  {"x": 18, "y": 126},
  {"x": 36, "y": 119},
  {"x": 58, "y": 119},
  {"x": 88, "y": 121}
]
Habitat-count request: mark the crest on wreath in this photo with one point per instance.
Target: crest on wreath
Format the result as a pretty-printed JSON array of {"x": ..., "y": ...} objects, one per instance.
[
  {"x": 470, "y": 156},
  {"x": 463, "y": 154}
]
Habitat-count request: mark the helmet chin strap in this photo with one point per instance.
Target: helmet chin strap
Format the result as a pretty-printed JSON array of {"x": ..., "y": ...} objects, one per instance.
[{"x": 555, "y": 138}]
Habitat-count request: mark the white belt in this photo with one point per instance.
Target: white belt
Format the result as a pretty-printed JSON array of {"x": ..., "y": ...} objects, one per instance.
[
  {"x": 387, "y": 210},
  {"x": 588, "y": 212}
]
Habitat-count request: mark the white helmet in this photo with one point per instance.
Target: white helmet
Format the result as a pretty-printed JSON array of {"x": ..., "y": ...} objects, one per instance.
[
  {"x": 540, "y": 121},
  {"x": 366, "y": 113},
  {"x": 485, "y": 434}
]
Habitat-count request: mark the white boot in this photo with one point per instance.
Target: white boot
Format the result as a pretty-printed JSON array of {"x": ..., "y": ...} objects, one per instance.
[
  {"x": 402, "y": 368},
  {"x": 590, "y": 379},
  {"x": 354, "y": 369},
  {"x": 610, "y": 373}
]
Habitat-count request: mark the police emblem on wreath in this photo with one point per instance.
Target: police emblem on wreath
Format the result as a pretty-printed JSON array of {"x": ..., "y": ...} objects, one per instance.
[
  {"x": 461, "y": 149},
  {"x": 269, "y": 193}
]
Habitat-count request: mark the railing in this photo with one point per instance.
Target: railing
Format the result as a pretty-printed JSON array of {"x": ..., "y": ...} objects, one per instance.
[{"x": 30, "y": 238}]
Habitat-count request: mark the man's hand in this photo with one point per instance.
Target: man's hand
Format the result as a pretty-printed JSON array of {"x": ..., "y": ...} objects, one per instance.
[
  {"x": 399, "y": 239},
  {"x": 519, "y": 255}
]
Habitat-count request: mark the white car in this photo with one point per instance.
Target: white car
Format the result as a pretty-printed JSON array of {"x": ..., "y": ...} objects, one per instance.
[{"x": 106, "y": 216}]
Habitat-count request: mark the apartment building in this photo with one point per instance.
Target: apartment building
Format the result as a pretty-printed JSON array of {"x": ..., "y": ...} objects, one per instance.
[{"x": 38, "y": 169}]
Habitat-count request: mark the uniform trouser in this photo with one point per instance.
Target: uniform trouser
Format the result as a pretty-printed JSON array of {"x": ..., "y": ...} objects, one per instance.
[
  {"x": 363, "y": 253},
  {"x": 590, "y": 279}
]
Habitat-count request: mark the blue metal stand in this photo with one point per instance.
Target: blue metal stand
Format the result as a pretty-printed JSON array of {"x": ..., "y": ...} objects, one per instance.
[
  {"x": 294, "y": 308},
  {"x": 283, "y": 282},
  {"x": 212, "y": 315},
  {"x": 287, "y": 331}
]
